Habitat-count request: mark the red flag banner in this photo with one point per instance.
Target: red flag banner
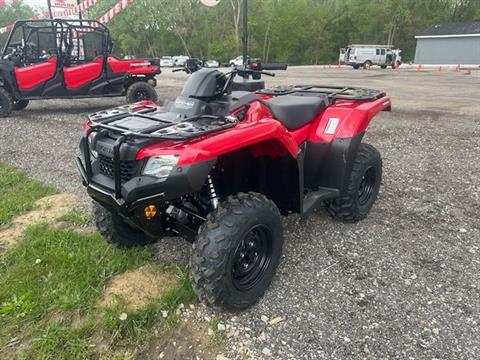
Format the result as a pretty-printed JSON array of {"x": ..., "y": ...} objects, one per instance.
[
  {"x": 110, "y": 14},
  {"x": 105, "y": 18}
]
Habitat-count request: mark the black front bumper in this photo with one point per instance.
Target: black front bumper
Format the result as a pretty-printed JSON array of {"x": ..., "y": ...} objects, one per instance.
[{"x": 128, "y": 199}]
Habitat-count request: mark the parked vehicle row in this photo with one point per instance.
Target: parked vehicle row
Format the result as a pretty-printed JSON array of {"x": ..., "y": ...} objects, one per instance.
[{"x": 179, "y": 61}]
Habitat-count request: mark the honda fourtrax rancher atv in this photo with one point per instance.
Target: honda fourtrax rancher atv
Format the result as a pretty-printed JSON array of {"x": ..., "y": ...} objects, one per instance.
[
  {"x": 219, "y": 167},
  {"x": 46, "y": 59}
]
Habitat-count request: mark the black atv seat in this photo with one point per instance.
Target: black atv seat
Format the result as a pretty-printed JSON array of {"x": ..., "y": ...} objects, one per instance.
[{"x": 295, "y": 111}]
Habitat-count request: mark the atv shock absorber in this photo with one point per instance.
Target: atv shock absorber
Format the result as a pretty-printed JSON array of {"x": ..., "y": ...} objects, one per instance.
[{"x": 213, "y": 194}]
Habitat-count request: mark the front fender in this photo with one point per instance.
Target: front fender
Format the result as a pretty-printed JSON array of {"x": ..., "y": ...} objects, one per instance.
[{"x": 212, "y": 146}]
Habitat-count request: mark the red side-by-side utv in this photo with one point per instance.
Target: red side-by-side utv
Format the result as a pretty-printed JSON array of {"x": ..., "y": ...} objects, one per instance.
[{"x": 52, "y": 59}]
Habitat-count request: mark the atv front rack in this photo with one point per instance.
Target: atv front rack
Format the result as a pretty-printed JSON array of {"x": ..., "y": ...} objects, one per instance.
[
  {"x": 333, "y": 92},
  {"x": 104, "y": 122}
]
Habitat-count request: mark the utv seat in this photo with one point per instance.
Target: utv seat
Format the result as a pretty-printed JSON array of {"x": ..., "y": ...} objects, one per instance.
[{"x": 295, "y": 111}]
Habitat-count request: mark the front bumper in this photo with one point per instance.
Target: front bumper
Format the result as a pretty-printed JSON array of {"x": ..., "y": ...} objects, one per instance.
[{"x": 128, "y": 199}]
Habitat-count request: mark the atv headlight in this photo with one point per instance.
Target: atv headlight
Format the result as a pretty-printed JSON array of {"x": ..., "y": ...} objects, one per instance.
[{"x": 160, "y": 166}]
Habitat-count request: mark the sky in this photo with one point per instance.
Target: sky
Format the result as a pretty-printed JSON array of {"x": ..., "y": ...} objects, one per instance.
[{"x": 36, "y": 3}]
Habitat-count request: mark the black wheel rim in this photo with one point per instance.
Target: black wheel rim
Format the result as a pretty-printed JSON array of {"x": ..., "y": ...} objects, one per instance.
[
  {"x": 367, "y": 186},
  {"x": 141, "y": 95},
  {"x": 252, "y": 257}
]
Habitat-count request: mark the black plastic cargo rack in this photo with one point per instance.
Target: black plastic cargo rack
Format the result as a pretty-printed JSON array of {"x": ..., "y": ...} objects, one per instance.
[{"x": 333, "y": 92}]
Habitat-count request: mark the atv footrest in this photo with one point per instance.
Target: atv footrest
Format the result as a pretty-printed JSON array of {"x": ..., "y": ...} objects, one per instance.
[{"x": 314, "y": 198}]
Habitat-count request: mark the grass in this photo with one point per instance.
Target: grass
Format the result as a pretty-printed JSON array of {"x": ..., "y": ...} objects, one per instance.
[
  {"x": 18, "y": 193},
  {"x": 50, "y": 285},
  {"x": 52, "y": 281},
  {"x": 219, "y": 337},
  {"x": 76, "y": 217}
]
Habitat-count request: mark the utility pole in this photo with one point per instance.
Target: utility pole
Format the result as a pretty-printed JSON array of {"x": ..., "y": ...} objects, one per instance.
[
  {"x": 79, "y": 13},
  {"x": 49, "y": 3},
  {"x": 245, "y": 31}
]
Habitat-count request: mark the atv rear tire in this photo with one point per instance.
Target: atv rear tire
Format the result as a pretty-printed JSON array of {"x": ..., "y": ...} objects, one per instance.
[
  {"x": 20, "y": 104},
  {"x": 6, "y": 103},
  {"x": 362, "y": 189},
  {"x": 140, "y": 91},
  {"x": 237, "y": 252},
  {"x": 116, "y": 231}
]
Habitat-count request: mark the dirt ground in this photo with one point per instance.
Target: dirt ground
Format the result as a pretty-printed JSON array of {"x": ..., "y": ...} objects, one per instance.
[{"x": 404, "y": 283}]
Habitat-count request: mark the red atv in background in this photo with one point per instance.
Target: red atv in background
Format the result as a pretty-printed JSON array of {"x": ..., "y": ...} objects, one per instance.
[
  {"x": 218, "y": 167},
  {"x": 52, "y": 59}
]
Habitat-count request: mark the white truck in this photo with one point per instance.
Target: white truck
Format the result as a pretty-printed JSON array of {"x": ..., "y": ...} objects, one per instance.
[{"x": 358, "y": 55}]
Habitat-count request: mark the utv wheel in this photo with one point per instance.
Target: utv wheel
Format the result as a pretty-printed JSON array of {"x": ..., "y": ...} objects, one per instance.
[
  {"x": 140, "y": 91},
  {"x": 20, "y": 104},
  {"x": 237, "y": 252},
  {"x": 362, "y": 189},
  {"x": 6, "y": 103},
  {"x": 116, "y": 231}
]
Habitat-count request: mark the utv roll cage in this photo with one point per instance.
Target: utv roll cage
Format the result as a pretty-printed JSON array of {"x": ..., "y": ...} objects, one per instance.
[{"x": 65, "y": 38}]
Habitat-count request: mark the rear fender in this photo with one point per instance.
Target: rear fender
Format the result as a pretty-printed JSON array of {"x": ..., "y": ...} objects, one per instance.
[
  {"x": 346, "y": 119},
  {"x": 334, "y": 139}
]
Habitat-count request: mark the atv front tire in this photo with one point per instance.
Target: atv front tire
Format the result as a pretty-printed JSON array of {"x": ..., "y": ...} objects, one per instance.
[
  {"x": 116, "y": 231},
  {"x": 362, "y": 189},
  {"x": 237, "y": 252},
  {"x": 140, "y": 91},
  {"x": 6, "y": 103},
  {"x": 20, "y": 104}
]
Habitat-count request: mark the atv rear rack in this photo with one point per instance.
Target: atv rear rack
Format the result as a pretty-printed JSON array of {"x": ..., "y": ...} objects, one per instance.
[{"x": 333, "y": 92}]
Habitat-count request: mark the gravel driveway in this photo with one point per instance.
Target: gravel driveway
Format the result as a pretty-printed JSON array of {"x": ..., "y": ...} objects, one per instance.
[{"x": 404, "y": 283}]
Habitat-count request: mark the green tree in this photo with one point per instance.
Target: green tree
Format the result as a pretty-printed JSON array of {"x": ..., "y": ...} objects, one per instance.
[{"x": 12, "y": 12}]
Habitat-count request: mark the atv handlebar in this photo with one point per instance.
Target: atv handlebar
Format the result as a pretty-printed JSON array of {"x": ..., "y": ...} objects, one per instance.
[{"x": 274, "y": 67}]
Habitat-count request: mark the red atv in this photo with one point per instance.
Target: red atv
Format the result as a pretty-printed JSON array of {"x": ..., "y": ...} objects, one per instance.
[
  {"x": 47, "y": 59},
  {"x": 219, "y": 167}
]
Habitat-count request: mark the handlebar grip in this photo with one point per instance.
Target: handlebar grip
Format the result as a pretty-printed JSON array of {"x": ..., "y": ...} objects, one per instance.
[
  {"x": 267, "y": 73},
  {"x": 274, "y": 66}
]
